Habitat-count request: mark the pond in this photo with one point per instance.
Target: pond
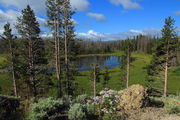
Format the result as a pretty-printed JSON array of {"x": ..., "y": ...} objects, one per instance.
[{"x": 85, "y": 63}]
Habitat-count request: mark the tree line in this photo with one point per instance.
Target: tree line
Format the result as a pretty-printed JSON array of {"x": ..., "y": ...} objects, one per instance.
[{"x": 31, "y": 56}]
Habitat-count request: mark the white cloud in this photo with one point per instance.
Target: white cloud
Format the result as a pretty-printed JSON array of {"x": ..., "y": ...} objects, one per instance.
[
  {"x": 74, "y": 22},
  {"x": 46, "y": 35},
  {"x": 92, "y": 35},
  {"x": 99, "y": 17},
  {"x": 8, "y": 16},
  {"x": 39, "y": 5},
  {"x": 127, "y": 4},
  {"x": 177, "y": 13},
  {"x": 11, "y": 17},
  {"x": 80, "y": 5}
]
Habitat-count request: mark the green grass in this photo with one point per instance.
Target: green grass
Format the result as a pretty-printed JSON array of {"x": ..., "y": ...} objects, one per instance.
[
  {"x": 5, "y": 79},
  {"x": 5, "y": 84},
  {"x": 116, "y": 53},
  {"x": 171, "y": 103},
  {"x": 138, "y": 75},
  {"x": 3, "y": 61},
  {"x": 174, "y": 81}
]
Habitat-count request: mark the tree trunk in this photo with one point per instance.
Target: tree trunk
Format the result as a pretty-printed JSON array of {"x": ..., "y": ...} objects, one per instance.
[
  {"x": 66, "y": 46},
  {"x": 166, "y": 78},
  {"x": 59, "y": 63},
  {"x": 30, "y": 66},
  {"x": 57, "y": 57},
  {"x": 166, "y": 70},
  {"x": 14, "y": 80},
  {"x": 127, "y": 74},
  {"x": 13, "y": 72},
  {"x": 94, "y": 80},
  {"x": 65, "y": 37}
]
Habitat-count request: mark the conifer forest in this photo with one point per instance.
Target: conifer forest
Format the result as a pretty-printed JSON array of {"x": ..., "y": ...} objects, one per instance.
[{"x": 50, "y": 69}]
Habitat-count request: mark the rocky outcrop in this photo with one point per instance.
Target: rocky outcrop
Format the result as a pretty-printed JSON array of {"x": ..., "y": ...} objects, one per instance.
[{"x": 132, "y": 98}]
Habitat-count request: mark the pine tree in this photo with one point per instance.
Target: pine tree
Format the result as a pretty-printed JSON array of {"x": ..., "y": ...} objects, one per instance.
[
  {"x": 164, "y": 53},
  {"x": 95, "y": 77},
  {"x": 59, "y": 14},
  {"x": 128, "y": 48},
  {"x": 123, "y": 63},
  {"x": 32, "y": 51},
  {"x": 54, "y": 13},
  {"x": 106, "y": 78},
  {"x": 69, "y": 47},
  {"x": 10, "y": 42}
]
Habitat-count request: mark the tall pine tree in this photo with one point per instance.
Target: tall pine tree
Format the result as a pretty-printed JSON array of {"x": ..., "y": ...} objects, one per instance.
[
  {"x": 11, "y": 45},
  {"x": 95, "y": 77},
  {"x": 54, "y": 13},
  {"x": 59, "y": 14},
  {"x": 128, "y": 48},
  {"x": 32, "y": 51},
  {"x": 69, "y": 47},
  {"x": 164, "y": 54}
]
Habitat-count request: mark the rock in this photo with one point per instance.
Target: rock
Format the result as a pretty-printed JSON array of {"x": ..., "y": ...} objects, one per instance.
[{"x": 132, "y": 98}]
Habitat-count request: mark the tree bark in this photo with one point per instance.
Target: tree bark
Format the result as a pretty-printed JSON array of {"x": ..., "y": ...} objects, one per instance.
[
  {"x": 57, "y": 57},
  {"x": 165, "y": 79},
  {"x": 127, "y": 74},
  {"x": 13, "y": 72},
  {"x": 65, "y": 35},
  {"x": 94, "y": 80},
  {"x": 166, "y": 70},
  {"x": 66, "y": 46}
]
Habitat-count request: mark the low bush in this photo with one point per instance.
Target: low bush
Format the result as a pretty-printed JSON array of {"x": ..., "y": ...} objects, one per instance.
[
  {"x": 62, "y": 109},
  {"x": 81, "y": 109},
  {"x": 106, "y": 102},
  {"x": 49, "y": 109},
  {"x": 10, "y": 108},
  {"x": 171, "y": 104}
]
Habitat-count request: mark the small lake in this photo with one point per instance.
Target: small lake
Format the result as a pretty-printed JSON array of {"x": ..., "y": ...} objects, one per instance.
[{"x": 85, "y": 63}]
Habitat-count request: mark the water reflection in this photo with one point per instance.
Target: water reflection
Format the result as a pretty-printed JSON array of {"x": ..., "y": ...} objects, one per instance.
[{"x": 84, "y": 63}]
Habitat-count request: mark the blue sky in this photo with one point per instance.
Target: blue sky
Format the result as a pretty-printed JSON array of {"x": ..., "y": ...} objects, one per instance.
[{"x": 103, "y": 19}]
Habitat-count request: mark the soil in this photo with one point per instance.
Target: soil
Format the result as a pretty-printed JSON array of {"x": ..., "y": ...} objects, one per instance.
[{"x": 150, "y": 113}]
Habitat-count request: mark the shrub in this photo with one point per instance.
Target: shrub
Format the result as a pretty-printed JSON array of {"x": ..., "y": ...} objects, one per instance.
[
  {"x": 77, "y": 112},
  {"x": 48, "y": 109},
  {"x": 171, "y": 104},
  {"x": 81, "y": 110},
  {"x": 81, "y": 99},
  {"x": 10, "y": 108},
  {"x": 106, "y": 102}
]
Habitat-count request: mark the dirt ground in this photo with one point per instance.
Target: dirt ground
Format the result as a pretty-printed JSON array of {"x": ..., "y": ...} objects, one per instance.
[{"x": 151, "y": 113}]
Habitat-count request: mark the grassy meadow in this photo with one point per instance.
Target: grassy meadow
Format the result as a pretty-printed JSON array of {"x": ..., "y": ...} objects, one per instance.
[{"x": 138, "y": 75}]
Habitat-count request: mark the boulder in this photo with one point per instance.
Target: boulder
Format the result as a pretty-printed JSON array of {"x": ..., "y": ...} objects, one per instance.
[{"x": 132, "y": 98}]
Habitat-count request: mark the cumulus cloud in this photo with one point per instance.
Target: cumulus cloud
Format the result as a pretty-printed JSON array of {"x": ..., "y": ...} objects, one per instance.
[
  {"x": 11, "y": 17},
  {"x": 92, "y": 35},
  {"x": 80, "y": 5},
  {"x": 8, "y": 16},
  {"x": 127, "y": 4},
  {"x": 99, "y": 17},
  {"x": 74, "y": 22},
  {"x": 39, "y": 5},
  {"x": 177, "y": 13}
]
